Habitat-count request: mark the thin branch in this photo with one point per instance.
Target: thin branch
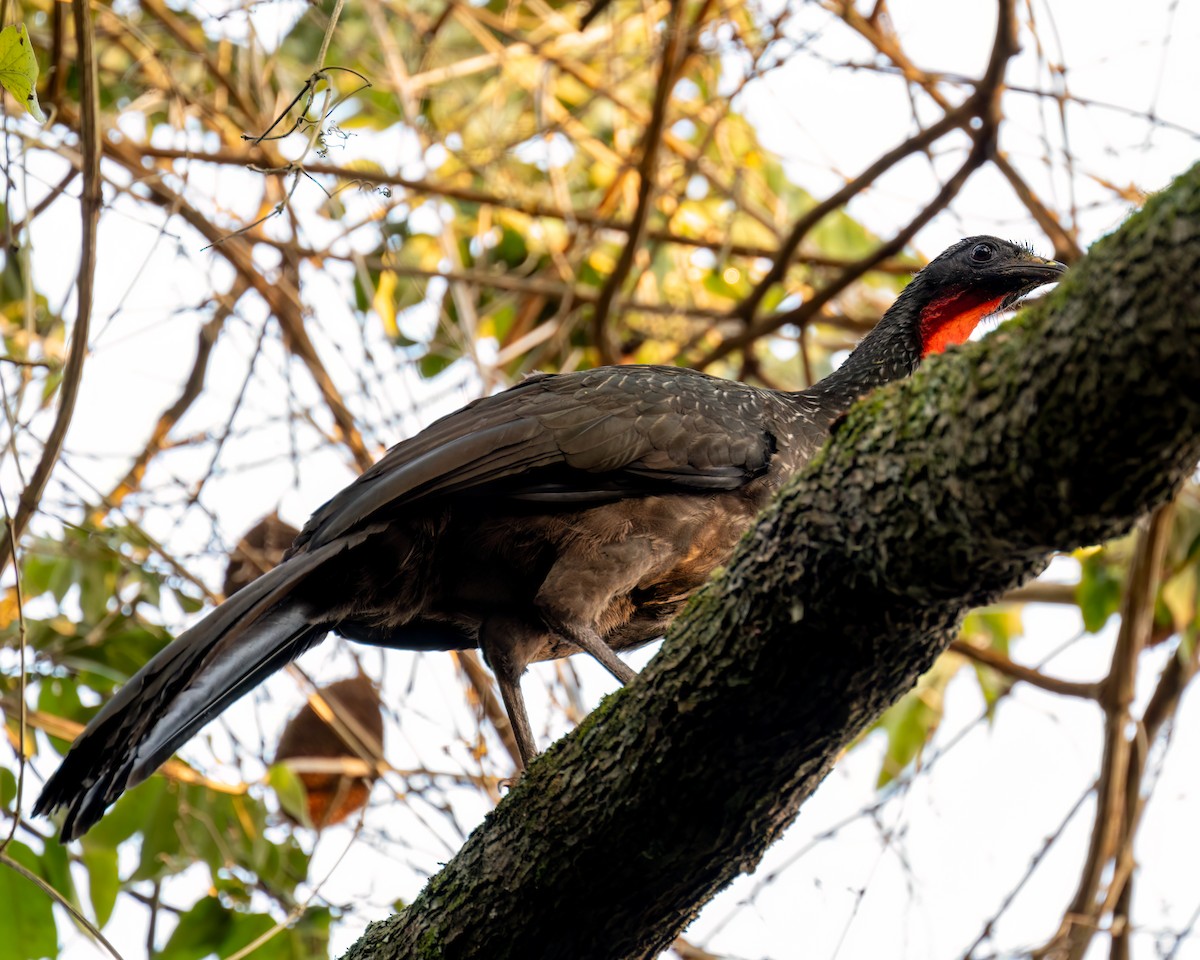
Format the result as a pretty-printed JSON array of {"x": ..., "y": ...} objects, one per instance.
[
  {"x": 1065, "y": 246},
  {"x": 282, "y": 297},
  {"x": 999, "y": 662},
  {"x": 1042, "y": 591},
  {"x": 953, "y": 120},
  {"x": 1034, "y": 863},
  {"x": 651, "y": 143},
  {"x": 192, "y": 387},
  {"x": 92, "y": 930},
  {"x": 58, "y": 190},
  {"x": 887, "y": 43},
  {"x": 1176, "y": 675},
  {"x": 212, "y": 70},
  {"x": 68, "y": 730},
  {"x": 22, "y": 710},
  {"x": 90, "y": 201},
  {"x": 481, "y": 681},
  {"x": 1081, "y": 917},
  {"x": 813, "y": 307},
  {"x": 34, "y": 364},
  {"x": 530, "y": 207}
]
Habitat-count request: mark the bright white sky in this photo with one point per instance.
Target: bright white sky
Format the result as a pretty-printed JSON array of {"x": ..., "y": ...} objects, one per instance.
[{"x": 921, "y": 878}]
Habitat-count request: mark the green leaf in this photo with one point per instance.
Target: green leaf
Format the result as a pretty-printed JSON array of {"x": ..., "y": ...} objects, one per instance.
[
  {"x": 996, "y": 626},
  {"x": 19, "y": 69},
  {"x": 289, "y": 788},
  {"x": 245, "y": 928},
  {"x": 161, "y": 851},
  {"x": 8, "y": 787},
  {"x": 55, "y": 869},
  {"x": 432, "y": 364},
  {"x": 908, "y": 724},
  {"x": 1098, "y": 593},
  {"x": 129, "y": 814},
  {"x": 188, "y": 603},
  {"x": 200, "y": 932},
  {"x": 36, "y": 572},
  {"x": 29, "y": 931},
  {"x": 313, "y": 930},
  {"x": 913, "y": 720},
  {"x": 59, "y": 697},
  {"x": 103, "y": 879}
]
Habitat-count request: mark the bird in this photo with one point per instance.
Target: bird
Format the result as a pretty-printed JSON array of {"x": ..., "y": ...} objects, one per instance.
[{"x": 570, "y": 513}]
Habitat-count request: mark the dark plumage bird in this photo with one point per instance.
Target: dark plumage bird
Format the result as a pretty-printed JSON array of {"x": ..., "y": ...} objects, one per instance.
[{"x": 571, "y": 512}]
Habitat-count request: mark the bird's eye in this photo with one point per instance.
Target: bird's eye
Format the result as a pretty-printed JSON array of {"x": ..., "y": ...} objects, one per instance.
[{"x": 982, "y": 252}]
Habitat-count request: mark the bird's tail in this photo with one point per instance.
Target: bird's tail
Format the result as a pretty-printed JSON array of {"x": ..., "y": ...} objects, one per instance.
[{"x": 205, "y": 669}]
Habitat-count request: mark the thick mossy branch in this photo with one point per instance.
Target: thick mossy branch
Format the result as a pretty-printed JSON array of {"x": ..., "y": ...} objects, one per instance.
[{"x": 933, "y": 496}]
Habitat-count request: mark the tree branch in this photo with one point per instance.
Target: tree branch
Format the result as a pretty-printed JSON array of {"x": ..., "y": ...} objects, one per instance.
[
  {"x": 90, "y": 202},
  {"x": 249, "y": 157},
  {"x": 647, "y": 167},
  {"x": 1017, "y": 671},
  {"x": 1082, "y": 915}
]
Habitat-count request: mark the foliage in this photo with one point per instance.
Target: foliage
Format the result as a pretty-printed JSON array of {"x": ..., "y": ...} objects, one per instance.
[{"x": 19, "y": 69}]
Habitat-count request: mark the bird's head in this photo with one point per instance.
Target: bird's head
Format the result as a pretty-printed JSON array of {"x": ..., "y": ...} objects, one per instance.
[{"x": 969, "y": 281}]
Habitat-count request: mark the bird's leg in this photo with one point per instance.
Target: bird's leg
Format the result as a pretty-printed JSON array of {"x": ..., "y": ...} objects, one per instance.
[
  {"x": 589, "y": 641},
  {"x": 500, "y": 640},
  {"x": 580, "y": 587},
  {"x": 514, "y": 704}
]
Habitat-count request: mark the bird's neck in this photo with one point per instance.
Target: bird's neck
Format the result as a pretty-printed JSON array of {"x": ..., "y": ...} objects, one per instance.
[{"x": 891, "y": 351}]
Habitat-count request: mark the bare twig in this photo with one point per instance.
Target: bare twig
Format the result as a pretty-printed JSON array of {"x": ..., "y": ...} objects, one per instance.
[
  {"x": 22, "y": 707},
  {"x": 1080, "y": 920},
  {"x": 529, "y": 206},
  {"x": 90, "y": 203},
  {"x": 1002, "y": 664},
  {"x": 92, "y": 930},
  {"x": 887, "y": 43},
  {"x": 282, "y": 297},
  {"x": 1034, "y": 863},
  {"x": 68, "y": 730},
  {"x": 953, "y": 120},
  {"x": 481, "y": 682},
  {"x": 192, "y": 388},
  {"x": 651, "y": 141}
]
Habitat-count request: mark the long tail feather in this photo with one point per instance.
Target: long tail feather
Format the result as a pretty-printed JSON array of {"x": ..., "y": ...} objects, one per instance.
[{"x": 204, "y": 670}]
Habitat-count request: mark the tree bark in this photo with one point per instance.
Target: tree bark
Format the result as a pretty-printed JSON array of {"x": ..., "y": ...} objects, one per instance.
[{"x": 934, "y": 496}]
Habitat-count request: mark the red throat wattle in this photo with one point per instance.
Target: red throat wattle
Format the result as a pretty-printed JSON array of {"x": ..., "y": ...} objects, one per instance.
[{"x": 953, "y": 319}]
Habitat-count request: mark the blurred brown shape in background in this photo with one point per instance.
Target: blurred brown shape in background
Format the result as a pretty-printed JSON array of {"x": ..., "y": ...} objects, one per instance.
[
  {"x": 345, "y": 724},
  {"x": 262, "y": 547}
]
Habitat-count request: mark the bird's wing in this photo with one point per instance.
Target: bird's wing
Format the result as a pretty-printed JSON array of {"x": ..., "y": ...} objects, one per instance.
[{"x": 587, "y": 437}]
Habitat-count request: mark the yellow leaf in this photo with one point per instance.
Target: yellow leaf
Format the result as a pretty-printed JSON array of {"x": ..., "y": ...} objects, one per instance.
[
  {"x": 1179, "y": 596},
  {"x": 385, "y": 302},
  {"x": 8, "y": 607},
  {"x": 62, "y": 626},
  {"x": 19, "y": 69}
]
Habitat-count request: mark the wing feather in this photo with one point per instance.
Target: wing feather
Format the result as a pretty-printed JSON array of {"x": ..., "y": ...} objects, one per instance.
[{"x": 591, "y": 436}]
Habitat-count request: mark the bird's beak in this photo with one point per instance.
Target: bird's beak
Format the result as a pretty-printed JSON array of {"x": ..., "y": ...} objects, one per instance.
[
  {"x": 1027, "y": 274},
  {"x": 1035, "y": 269}
]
